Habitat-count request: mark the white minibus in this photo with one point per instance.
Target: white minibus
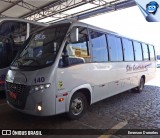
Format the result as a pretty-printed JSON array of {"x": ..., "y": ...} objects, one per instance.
[{"x": 68, "y": 66}]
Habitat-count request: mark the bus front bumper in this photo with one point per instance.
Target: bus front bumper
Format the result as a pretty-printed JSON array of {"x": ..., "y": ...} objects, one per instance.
[{"x": 40, "y": 103}]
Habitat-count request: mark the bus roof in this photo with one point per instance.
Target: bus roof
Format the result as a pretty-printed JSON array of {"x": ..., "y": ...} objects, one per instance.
[{"x": 104, "y": 30}]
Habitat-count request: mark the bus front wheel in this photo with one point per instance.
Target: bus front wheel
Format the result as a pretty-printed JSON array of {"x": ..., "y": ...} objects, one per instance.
[
  {"x": 78, "y": 106},
  {"x": 141, "y": 85}
]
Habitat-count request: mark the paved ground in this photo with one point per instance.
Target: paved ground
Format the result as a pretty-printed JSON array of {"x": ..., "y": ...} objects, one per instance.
[{"x": 127, "y": 110}]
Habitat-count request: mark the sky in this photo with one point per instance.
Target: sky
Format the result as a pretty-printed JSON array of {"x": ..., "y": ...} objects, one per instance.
[{"x": 131, "y": 23}]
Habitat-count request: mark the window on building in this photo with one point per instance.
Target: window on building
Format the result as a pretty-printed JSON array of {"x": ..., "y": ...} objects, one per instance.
[
  {"x": 115, "y": 48},
  {"x": 138, "y": 51},
  {"x": 128, "y": 50},
  {"x": 99, "y": 46}
]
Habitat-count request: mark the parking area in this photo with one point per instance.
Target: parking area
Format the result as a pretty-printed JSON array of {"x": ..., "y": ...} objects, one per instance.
[{"x": 127, "y": 110}]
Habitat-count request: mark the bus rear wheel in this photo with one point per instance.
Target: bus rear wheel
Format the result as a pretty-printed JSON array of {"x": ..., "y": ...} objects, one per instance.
[
  {"x": 141, "y": 85},
  {"x": 78, "y": 106}
]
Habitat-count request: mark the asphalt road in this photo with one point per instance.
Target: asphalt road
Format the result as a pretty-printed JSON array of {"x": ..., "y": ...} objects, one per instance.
[{"x": 127, "y": 110}]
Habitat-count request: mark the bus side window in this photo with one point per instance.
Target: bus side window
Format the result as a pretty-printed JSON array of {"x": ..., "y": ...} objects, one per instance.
[
  {"x": 128, "y": 49},
  {"x": 115, "y": 48},
  {"x": 138, "y": 51},
  {"x": 76, "y": 52},
  {"x": 145, "y": 52},
  {"x": 151, "y": 52},
  {"x": 99, "y": 46}
]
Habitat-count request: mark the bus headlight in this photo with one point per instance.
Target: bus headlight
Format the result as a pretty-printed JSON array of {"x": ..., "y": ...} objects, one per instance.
[
  {"x": 39, "y": 108},
  {"x": 41, "y": 87}
]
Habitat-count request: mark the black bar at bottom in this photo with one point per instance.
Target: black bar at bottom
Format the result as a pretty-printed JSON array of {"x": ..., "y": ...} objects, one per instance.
[{"x": 79, "y": 131}]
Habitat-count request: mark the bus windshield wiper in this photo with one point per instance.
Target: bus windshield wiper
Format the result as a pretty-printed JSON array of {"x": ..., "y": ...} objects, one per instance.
[
  {"x": 17, "y": 63},
  {"x": 32, "y": 59}
]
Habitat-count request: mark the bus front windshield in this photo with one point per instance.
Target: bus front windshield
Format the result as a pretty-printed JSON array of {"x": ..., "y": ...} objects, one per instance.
[{"x": 42, "y": 48}]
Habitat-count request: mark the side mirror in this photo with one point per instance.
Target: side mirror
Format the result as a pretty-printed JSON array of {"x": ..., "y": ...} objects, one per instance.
[{"x": 74, "y": 35}]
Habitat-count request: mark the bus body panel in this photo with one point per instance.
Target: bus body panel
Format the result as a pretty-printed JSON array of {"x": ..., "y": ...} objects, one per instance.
[
  {"x": 106, "y": 79},
  {"x": 91, "y": 76}
]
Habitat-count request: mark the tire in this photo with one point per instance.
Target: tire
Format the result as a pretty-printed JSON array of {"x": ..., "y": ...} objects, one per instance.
[
  {"x": 78, "y": 106},
  {"x": 141, "y": 85}
]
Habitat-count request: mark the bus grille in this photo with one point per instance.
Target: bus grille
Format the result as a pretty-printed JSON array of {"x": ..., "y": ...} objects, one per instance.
[
  {"x": 17, "y": 94},
  {"x": 2, "y": 86}
]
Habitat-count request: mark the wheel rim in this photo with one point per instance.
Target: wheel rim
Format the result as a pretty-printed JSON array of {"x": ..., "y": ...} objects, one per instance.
[
  {"x": 141, "y": 85},
  {"x": 77, "y": 106}
]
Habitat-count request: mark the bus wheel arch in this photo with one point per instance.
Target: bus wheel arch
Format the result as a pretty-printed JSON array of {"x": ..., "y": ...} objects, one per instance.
[
  {"x": 143, "y": 76},
  {"x": 87, "y": 94},
  {"x": 81, "y": 99},
  {"x": 141, "y": 84}
]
